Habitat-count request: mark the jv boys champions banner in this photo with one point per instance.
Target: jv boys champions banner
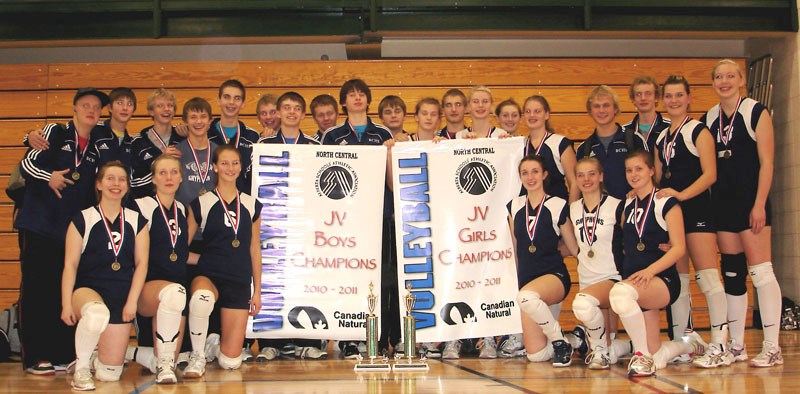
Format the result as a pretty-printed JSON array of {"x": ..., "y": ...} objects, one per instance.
[
  {"x": 320, "y": 238},
  {"x": 453, "y": 242}
]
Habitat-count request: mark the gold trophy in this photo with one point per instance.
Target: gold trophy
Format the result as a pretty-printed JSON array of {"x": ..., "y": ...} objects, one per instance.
[
  {"x": 376, "y": 363},
  {"x": 407, "y": 363}
]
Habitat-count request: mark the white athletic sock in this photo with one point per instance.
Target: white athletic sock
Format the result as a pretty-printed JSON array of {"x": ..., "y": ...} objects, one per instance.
[
  {"x": 670, "y": 350},
  {"x": 737, "y": 316},
  {"x": 539, "y": 312},
  {"x": 622, "y": 347},
  {"x": 146, "y": 357},
  {"x": 93, "y": 322},
  {"x": 769, "y": 299},
  {"x": 681, "y": 309},
  {"x": 168, "y": 320},
  {"x": 717, "y": 307}
]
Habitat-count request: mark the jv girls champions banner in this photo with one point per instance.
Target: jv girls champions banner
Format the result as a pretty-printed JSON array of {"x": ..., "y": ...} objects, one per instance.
[
  {"x": 320, "y": 238},
  {"x": 453, "y": 242}
]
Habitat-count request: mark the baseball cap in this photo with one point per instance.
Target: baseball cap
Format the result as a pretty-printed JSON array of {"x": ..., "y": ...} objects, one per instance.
[{"x": 104, "y": 100}]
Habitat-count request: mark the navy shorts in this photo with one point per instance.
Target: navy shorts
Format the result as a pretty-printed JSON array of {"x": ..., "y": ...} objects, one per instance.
[
  {"x": 698, "y": 217},
  {"x": 232, "y": 295},
  {"x": 114, "y": 298},
  {"x": 561, "y": 274},
  {"x": 733, "y": 216}
]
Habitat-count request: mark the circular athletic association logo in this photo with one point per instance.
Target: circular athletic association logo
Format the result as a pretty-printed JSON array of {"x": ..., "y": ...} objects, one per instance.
[
  {"x": 336, "y": 181},
  {"x": 476, "y": 176}
]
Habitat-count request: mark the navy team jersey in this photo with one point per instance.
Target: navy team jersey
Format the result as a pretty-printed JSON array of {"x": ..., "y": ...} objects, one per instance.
[
  {"x": 612, "y": 159},
  {"x": 109, "y": 147},
  {"x": 606, "y": 242},
  {"x": 97, "y": 255},
  {"x": 243, "y": 142},
  {"x": 656, "y": 128},
  {"x": 684, "y": 164},
  {"x": 737, "y": 176},
  {"x": 655, "y": 233},
  {"x": 219, "y": 259},
  {"x": 145, "y": 148},
  {"x": 552, "y": 148},
  {"x": 160, "y": 267},
  {"x": 547, "y": 258},
  {"x": 278, "y": 138},
  {"x": 43, "y": 212}
]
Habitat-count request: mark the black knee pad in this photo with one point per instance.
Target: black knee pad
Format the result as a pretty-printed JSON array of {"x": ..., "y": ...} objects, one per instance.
[{"x": 734, "y": 273}]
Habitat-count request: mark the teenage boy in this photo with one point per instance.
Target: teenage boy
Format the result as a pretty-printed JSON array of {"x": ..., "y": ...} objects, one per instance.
[
  {"x": 392, "y": 111},
  {"x": 267, "y": 113},
  {"x": 325, "y": 112},
  {"x": 454, "y": 105},
  {"x": 647, "y": 122}
]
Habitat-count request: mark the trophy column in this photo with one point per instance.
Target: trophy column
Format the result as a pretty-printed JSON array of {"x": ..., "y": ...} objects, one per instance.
[
  {"x": 376, "y": 363},
  {"x": 407, "y": 362}
]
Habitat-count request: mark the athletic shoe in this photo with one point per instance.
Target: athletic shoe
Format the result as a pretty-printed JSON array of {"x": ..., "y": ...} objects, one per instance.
[
  {"x": 770, "y": 355},
  {"x": 488, "y": 348},
  {"x": 183, "y": 359},
  {"x": 350, "y": 351},
  {"x": 165, "y": 371},
  {"x": 196, "y": 367},
  {"x": 583, "y": 344},
  {"x": 430, "y": 350},
  {"x": 212, "y": 347},
  {"x": 82, "y": 380},
  {"x": 399, "y": 349},
  {"x": 738, "y": 351},
  {"x": 562, "y": 353},
  {"x": 715, "y": 356},
  {"x": 598, "y": 359},
  {"x": 512, "y": 347},
  {"x": 267, "y": 354},
  {"x": 311, "y": 353},
  {"x": 451, "y": 350},
  {"x": 641, "y": 366},
  {"x": 247, "y": 355},
  {"x": 42, "y": 368},
  {"x": 288, "y": 350}
]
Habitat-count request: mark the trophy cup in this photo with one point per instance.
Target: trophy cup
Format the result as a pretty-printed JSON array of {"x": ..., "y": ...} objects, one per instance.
[
  {"x": 407, "y": 363},
  {"x": 376, "y": 363}
]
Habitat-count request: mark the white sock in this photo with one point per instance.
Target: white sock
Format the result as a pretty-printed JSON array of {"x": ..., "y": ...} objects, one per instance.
[
  {"x": 172, "y": 300},
  {"x": 539, "y": 312},
  {"x": 146, "y": 357},
  {"x": 622, "y": 347},
  {"x": 670, "y": 350},
  {"x": 737, "y": 316},
  {"x": 769, "y": 299},
  {"x": 711, "y": 286},
  {"x": 681, "y": 309},
  {"x": 94, "y": 320}
]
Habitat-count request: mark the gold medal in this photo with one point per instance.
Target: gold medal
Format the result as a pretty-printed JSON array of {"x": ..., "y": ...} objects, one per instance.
[
  {"x": 76, "y": 175},
  {"x": 203, "y": 191},
  {"x": 532, "y": 248},
  {"x": 667, "y": 174},
  {"x": 590, "y": 254},
  {"x": 116, "y": 266},
  {"x": 727, "y": 154},
  {"x": 640, "y": 246},
  {"x": 235, "y": 243},
  {"x": 173, "y": 256}
]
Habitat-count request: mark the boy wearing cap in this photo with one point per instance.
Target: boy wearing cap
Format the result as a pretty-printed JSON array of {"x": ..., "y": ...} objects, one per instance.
[{"x": 59, "y": 184}]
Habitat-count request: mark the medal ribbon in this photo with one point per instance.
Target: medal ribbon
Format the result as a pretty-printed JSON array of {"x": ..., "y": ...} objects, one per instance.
[
  {"x": 173, "y": 236},
  {"x": 590, "y": 235},
  {"x": 203, "y": 176},
  {"x": 225, "y": 137},
  {"x": 79, "y": 159},
  {"x": 234, "y": 223},
  {"x": 284, "y": 139},
  {"x": 532, "y": 229},
  {"x": 640, "y": 226},
  {"x": 669, "y": 147},
  {"x": 726, "y": 135},
  {"x": 541, "y": 143},
  {"x": 107, "y": 225},
  {"x": 160, "y": 140},
  {"x": 652, "y": 126}
]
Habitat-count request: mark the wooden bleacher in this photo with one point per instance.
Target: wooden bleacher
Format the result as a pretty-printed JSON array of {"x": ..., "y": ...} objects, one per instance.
[{"x": 32, "y": 95}]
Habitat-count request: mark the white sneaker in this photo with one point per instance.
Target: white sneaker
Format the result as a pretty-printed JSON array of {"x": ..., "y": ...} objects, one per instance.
[
  {"x": 512, "y": 347},
  {"x": 715, "y": 356},
  {"x": 82, "y": 380},
  {"x": 737, "y": 350},
  {"x": 247, "y": 355},
  {"x": 598, "y": 358},
  {"x": 183, "y": 358},
  {"x": 451, "y": 350},
  {"x": 488, "y": 348},
  {"x": 196, "y": 367},
  {"x": 430, "y": 350},
  {"x": 212, "y": 347},
  {"x": 165, "y": 371},
  {"x": 641, "y": 366},
  {"x": 311, "y": 353},
  {"x": 770, "y": 356},
  {"x": 267, "y": 354}
]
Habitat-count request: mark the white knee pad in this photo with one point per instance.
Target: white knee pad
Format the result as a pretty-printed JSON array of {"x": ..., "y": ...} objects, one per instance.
[
  {"x": 622, "y": 298},
  {"x": 542, "y": 355},
  {"x": 201, "y": 303},
  {"x": 107, "y": 373},
  {"x": 529, "y": 301},
  {"x": 172, "y": 298},
  {"x": 709, "y": 282},
  {"x": 229, "y": 363},
  {"x": 762, "y": 274},
  {"x": 95, "y": 316},
  {"x": 586, "y": 307}
]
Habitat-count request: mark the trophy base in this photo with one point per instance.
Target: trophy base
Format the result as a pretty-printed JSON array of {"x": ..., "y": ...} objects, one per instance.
[
  {"x": 410, "y": 367},
  {"x": 376, "y": 367}
]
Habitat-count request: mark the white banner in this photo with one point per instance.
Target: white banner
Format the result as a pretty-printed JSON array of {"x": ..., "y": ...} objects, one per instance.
[
  {"x": 320, "y": 238},
  {"x": 453, "y": 243}
]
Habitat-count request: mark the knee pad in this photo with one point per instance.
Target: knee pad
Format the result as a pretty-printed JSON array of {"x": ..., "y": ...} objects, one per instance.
[
  {"x": 95, "y": 316},
  {"x": 586, "y": 307},
  {"x": 202, "y": 303},
  {"x": 107, "y": 373},
  {"x": 708, "y": 281},
  {"x": 734, "y": 273},
  {"x": 172, "y": 298},
  {"x": 542, "y": 355},
  {"x": 229, "y": 363},
  {"x": 529, "y": 301},
  {"x": 762, "y": 274},
  {"x": 622, "y": 298}
]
